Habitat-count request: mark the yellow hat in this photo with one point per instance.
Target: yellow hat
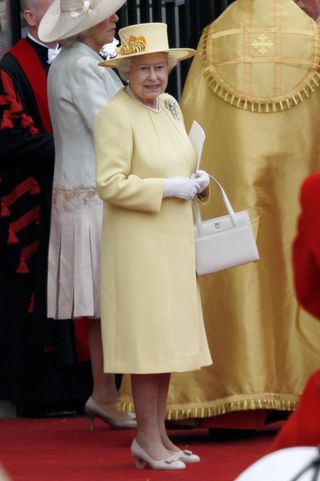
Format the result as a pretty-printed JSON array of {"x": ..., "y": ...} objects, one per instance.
[
  {"x": 262, "y": 56},
  {"x": 143, "y": 39}
]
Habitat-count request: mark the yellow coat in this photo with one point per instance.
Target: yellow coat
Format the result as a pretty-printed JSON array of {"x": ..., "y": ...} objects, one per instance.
[{"x": 150, "y": 305}]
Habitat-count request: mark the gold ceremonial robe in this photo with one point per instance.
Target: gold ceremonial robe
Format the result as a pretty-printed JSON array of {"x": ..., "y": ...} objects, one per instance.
[{"x": 254, "y": 88}]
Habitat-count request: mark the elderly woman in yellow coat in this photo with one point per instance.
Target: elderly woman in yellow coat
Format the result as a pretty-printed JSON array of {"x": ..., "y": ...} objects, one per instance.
[
  {"x": 254, "y": 88},
  {"x": 152, "y": 321}
]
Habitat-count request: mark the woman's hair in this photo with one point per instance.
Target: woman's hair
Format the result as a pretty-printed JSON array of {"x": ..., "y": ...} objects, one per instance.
[
  {"x": 68, "y": 42},
  {"x": 125, "y": 64}
]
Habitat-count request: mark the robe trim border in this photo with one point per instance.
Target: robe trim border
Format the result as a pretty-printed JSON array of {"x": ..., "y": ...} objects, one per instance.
[
  {"x": 243, "y": 101},
  {"x": 217, "y": 408}
]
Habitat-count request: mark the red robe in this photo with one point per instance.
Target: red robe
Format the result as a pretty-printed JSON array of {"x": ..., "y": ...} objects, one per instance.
[
  {"x": 303, "y": 426},
  {"x": 306, "y": 247}
]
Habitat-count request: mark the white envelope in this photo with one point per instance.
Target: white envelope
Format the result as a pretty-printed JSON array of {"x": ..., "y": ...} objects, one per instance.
[{"x": 197, "y": 138}]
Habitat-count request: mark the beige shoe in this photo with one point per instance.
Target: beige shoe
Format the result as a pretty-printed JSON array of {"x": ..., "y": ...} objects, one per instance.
[
  {"x": 94, "y": 410},
  {"x": 142, "y": 459},
  {"x": 187, "y": 456}
]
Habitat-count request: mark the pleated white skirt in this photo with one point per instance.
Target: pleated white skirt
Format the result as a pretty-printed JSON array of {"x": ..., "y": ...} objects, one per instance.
[{"x": 74, "y": 254}]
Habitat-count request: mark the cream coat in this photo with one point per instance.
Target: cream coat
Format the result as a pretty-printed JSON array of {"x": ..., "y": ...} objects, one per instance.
[
  {"x": 77, "y": 89},
  {"x": 150, "y": 305}
]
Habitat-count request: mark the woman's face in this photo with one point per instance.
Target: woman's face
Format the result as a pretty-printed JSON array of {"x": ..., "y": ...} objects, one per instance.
[
  {"x": 102, "y": 33},
  {"x": 148, "y": 76}
]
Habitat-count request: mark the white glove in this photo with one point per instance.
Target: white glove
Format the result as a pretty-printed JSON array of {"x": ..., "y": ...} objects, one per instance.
[
  {"x": 202, "y": 179},
  {"x": 182, "y": 187}
]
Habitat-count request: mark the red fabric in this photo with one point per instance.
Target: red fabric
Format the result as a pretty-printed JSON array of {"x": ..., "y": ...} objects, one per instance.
[
  {"x": 31, "y": 304},
  {"x": 32, "y": 216},
  {"x": 81, "y": 327},
  {"x": 15, "y": 109},
  {"x": 26, "y": 253},
  {"x": 29, "y": 217},
  {"x": 65, "y": 450},
  {"x": 12, "y": 238},
  {"x": 303, "y": 426},
  {"x": 311, "y": 7},
  {"x": 31, "y": 65},
  {"x": 306, "y": 247},
  {"x": 4, "y": 211},
  {"x": 253, "y": 419},
  {"x": 27, "y": 185}
]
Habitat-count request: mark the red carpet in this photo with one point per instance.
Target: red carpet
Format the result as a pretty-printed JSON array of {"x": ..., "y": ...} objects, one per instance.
[{"x": 65, "y": 450}]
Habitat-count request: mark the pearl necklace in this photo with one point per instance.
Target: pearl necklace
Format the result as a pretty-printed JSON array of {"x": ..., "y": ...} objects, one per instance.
[{"x": 156, "y": 109}]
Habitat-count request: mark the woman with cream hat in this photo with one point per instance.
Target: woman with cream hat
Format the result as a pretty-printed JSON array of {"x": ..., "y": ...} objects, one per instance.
[
  {"x": 151, "y": 313},
  {"x": 77, "y": 89},
  {"x": 301, "y": 463}
]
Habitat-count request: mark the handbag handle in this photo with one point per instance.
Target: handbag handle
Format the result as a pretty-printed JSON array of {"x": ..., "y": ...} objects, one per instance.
[{"x": 226, "y": 201}]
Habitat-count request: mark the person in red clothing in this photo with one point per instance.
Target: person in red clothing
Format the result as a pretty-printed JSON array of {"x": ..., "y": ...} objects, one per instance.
[
  {"x": 36, "y": 359},
  {"x": 303, "y": 426},
  {"x": 289, "y": 452},
  {"x": 26, "y": 170},
  {"x": 306, "y": 247},
  {"x": 311, "y": 7}
]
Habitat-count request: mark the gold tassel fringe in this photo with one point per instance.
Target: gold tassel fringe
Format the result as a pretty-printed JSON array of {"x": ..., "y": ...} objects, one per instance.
[
  {"x": 255, "y": 104},
  {"x": 217, "y": 409}
]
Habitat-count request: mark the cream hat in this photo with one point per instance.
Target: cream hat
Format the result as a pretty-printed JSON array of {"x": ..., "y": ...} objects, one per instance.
[
  {"x": 3, "y": 475},
  {"x": 290, "y": 464},
  {"x": 143, "y": 39},
  {"x": 65, "y": 18}
]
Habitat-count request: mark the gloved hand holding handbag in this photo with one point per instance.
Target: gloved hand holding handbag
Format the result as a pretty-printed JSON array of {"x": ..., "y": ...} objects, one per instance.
[
  {"x": 181, "y": 187},
  {"x": 203, "y": 180}
]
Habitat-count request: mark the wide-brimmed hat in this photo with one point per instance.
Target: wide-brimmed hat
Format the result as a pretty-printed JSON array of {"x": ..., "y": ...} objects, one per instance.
[
  {"x": 143, "y": 39},
  {"x": 65, "y": 18},
  {"x": 291, "y": 464}
]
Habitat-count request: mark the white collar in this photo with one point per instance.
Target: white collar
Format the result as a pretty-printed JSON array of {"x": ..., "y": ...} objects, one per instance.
[
  {"x": 36, "y": 40},
  {"x": 52, "y": 52}
]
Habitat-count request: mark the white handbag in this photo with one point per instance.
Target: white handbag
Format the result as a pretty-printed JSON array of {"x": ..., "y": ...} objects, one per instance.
[{"x": 223, "y": 242}]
